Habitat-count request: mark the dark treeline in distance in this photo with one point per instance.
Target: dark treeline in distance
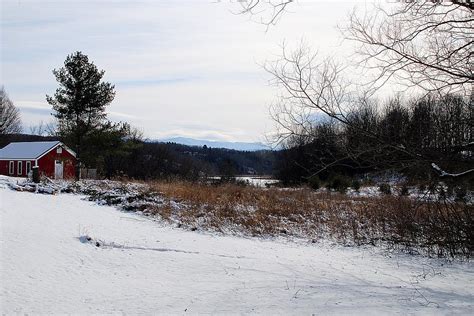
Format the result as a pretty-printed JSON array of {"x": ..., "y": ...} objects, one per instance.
[
  {"x": 402, "y": 137},
  {"x": 119, "y": 156},
  {"x": 154, "y": 160}
]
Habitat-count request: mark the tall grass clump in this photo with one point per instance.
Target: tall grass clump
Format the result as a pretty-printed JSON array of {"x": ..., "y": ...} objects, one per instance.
[{"x": 433, "y": 228}]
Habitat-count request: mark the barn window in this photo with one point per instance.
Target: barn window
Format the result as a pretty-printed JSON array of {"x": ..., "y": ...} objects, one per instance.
[
  {"x": 28, "y": 167},
  {"x": 59, "y": 150},
  {"x": 11, "y": 167},
  {"x": 20, "y": 167}
]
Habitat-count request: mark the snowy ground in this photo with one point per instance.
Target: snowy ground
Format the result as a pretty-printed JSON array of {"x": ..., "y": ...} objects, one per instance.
[{"x": 49, "y": 266}]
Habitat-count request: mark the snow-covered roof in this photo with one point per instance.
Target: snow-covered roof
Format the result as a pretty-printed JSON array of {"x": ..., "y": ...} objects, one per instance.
[{"x": 27, "y": 150}]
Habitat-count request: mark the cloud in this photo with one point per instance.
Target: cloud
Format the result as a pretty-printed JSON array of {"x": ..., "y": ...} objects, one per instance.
[
  {"x": 120, "y": 116},
  {"x": 34, "y": 107},
  {"x": 171, "y": 61},
  {"x": 153, "y": 82}
]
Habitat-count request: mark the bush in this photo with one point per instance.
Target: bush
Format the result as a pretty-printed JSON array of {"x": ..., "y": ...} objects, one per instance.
[
  {"x": 314, "y": 182},
  {"x": 433, "y": 187},
  {"x": 421, "y": 187},
  {"x": 385, "y": 188},
  {"x": 434, "y": 228},
  {"x": 338, "y": 183},
  {"x": 442, "y": 193},
  {"x": 450, "y": 190},
  {"x": 404, "y": 191},
  {"x": 460, "y": 194},
  {"x": 368, "y": 181},
  {"x": 355, "y": 185}
]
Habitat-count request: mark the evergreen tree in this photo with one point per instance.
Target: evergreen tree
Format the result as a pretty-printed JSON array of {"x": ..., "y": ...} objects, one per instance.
[{"x": 79, "y": 102}]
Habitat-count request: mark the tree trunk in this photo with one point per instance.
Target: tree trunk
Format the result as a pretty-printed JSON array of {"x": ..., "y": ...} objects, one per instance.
[
  {"x": 78, "y": 170},
  {"x": 78, "y": 160}
]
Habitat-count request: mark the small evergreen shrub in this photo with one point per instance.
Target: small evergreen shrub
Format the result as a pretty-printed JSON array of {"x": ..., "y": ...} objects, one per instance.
[
  {"x": 450, "y": 190},
  {"x": 339, "y": 183},
  {"x": 442, "y": 193},
  {"x": 355, "y": 185},
  {"x": 314, "y": 182},
  {"x": 385, "y": 188},
  {"x": 421, "y": 187},
  {"x": 433, "y": 187},
  {"x": 460, "y": 194},
  {"x": 404, "y": 191}
]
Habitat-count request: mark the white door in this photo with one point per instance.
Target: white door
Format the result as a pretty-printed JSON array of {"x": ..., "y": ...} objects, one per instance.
[{"x": 58, "y": 169}]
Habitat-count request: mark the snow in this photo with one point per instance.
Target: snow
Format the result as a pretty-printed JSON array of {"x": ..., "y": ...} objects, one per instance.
[
  {"x": 50, "y": 264},
  {"x": 26, "y": 150},
  {"x": 258, "y": 181}
]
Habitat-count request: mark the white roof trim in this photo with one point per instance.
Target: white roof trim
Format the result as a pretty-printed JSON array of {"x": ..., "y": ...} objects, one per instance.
[{"x": 54, "y": 147}]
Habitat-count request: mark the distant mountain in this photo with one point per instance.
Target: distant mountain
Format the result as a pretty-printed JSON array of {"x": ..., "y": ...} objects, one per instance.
[{"x": 217, "y": 144}]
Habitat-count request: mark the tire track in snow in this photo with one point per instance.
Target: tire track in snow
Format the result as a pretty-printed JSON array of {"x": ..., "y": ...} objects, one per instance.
[{"x": 102, "y": 244}]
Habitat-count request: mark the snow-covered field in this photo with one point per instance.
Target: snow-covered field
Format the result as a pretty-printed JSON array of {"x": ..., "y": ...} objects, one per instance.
[{"x": 49, "y": 265}]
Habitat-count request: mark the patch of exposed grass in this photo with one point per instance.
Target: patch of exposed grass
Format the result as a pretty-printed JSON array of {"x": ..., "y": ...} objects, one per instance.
[{"x": 442, "y": 229}]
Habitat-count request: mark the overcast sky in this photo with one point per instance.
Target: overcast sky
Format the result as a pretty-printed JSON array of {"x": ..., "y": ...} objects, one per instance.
[{"x": 180, "y": 67}]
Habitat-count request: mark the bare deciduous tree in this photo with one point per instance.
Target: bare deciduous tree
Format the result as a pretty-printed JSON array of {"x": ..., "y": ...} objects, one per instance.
[
  {"x": 424, "y": 44},
  {"x": 312, "y": 88},
  {"x": 10, "y": 121},
  {"x": 427, "y": 44},
  {"x": 266, "y": 12},
  {"x": 45, "y": 129}
]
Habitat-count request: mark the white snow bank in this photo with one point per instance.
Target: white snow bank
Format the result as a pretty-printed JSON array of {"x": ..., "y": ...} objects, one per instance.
[{"x": 141, "y": 267}]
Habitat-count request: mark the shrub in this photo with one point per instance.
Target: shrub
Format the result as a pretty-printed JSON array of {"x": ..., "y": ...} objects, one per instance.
[
  {"x": 385, "y": 188},
  {"x": 433, "y": 187},
  {"x": 450, "y": 190},
  {"x": 460, "y": 194},
  {"x": 404, "y": 191},
  {"x": 437, "y": 228},
  {"x": 355, "y": 185},
  {"x": 314, "y": 182},
  {"x": 368, "y": 181},
  {"x": 421, "y": 187},
  {"x": 338, "y": 183},
  {"x": 442, "y": 193}
]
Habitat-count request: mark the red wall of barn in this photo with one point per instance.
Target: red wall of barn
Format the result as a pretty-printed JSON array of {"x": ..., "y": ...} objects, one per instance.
[
  {"x": 4, "y": 167},
  {"x": 45, "y": 163}
]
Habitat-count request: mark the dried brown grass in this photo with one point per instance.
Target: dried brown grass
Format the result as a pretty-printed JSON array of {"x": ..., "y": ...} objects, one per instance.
[{"x": 442, "y": 229}]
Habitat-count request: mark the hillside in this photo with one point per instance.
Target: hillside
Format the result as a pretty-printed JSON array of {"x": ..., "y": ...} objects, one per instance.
[
  {"x": 242, "y": 146},
  {"x": 151, "y": 160}
]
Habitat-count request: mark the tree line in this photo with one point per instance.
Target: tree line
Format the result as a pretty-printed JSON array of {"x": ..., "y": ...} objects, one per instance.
[
  {"x": 155, "y": 160},
  {"x": 116, "y": 148},
  {"x": 332, "y": 122},
  {"x": 406, "y": 137}
]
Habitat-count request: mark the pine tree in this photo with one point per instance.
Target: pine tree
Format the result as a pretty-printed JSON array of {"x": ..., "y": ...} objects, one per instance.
[{"x": 79, "y": 102}]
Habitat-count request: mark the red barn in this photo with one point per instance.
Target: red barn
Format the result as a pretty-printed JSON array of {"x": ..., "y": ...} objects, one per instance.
[{"x": 54, "y": 159}]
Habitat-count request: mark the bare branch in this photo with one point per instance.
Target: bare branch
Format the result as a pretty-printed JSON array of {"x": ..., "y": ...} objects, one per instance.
[
  {"x": 266, "y": 12},
  {"x": 424, "y": 44},
  {"x": 10, "y": 121}
]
